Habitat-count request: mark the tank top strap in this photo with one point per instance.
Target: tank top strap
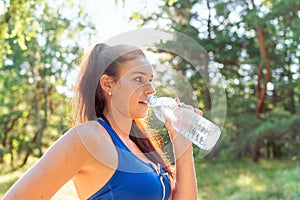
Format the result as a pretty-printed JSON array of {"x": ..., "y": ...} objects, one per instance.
[{"x": 115, "y": 138}]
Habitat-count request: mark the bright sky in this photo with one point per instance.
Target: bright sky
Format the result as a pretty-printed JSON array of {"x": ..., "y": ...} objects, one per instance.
[{"x": 112, "y": 19}]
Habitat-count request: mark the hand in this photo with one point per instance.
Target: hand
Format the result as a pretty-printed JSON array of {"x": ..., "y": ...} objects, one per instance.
[
  {"x": 168, "y": 123},
  {"x": 180, "y": 143},
  {"x": 183, "y": 105}
]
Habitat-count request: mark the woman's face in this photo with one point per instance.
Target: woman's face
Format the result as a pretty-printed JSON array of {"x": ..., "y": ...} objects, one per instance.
[{"x": 131, "y": 91}]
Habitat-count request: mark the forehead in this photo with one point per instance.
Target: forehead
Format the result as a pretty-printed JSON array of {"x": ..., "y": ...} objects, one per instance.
[{"x": 139, "y": 64}]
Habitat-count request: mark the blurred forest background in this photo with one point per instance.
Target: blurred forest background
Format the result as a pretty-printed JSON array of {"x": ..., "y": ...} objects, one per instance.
[{"x": 255, "y": 45}]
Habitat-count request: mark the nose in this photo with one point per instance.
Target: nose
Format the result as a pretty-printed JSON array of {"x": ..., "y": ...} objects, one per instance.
[{"x": 150, "y": 89}]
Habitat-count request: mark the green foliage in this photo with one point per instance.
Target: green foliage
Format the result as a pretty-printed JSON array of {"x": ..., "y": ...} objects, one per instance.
[
  {"x": 34, "y": 64},
  {"x": 228, "y": 32}
]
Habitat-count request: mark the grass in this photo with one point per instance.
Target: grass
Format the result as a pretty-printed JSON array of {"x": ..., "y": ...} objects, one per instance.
[{"x": 267, "y": 180}]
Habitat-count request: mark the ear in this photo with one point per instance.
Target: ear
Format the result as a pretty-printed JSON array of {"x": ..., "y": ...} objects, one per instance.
[{"x": 107, "y": 83}]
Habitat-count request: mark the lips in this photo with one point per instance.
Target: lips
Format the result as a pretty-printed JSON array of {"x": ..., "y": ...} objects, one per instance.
[{"x": 144, "y": 102}]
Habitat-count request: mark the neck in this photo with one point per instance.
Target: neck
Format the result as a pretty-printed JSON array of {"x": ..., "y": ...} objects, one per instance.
[{"x": 120, "y": 123}]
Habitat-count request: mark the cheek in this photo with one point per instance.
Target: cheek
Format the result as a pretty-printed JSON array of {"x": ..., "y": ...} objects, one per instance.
[
  {"x": 133, "y": 98},
  {"x": 124, "y": 96},
  {"x": 128, "y": 90}
]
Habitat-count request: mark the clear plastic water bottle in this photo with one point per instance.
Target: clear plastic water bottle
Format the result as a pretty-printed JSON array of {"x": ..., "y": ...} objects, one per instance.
[{"x": 194, "y": 127}]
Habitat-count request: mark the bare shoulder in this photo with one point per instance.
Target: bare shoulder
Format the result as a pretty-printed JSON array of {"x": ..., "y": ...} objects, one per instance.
[
  {"x": 91, "y": 134},
  {"x": 73, "y": 151},
  {"x": 88, "y": 129},
  {"x": 80, "y": 140},
  {"x": 96, "y": 141}
]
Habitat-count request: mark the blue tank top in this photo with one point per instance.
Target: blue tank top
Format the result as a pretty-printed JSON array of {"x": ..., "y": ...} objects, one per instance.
[{"x": 134, "y": 179}]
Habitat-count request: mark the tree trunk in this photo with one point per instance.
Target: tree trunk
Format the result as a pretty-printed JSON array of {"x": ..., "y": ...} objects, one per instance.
[
  {"x": 38, "y": 94},
  {"x": 207, "y": 97},
  {"x": 9, "y": 126},
  {"x": 37, "y": 83},
  {"x": 256, "y": 151},
  {"x": 291, "y": 106},
  {"x": 263, "y": 72}
]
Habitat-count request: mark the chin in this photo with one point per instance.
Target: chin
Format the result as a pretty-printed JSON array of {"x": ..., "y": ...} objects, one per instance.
[{"x": 140, "y": 115}]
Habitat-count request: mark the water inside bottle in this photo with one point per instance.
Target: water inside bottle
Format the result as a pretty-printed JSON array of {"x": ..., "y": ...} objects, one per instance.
[
  {"x": 163, "y": 107},
  {"x": 199, "y": 130}
]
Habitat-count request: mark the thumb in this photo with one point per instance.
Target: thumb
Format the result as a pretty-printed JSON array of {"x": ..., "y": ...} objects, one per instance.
[{"x": 171, "y": 130}]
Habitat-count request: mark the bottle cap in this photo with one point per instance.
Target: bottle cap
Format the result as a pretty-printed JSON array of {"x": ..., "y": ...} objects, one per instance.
[{"x": 152, "y": 100}]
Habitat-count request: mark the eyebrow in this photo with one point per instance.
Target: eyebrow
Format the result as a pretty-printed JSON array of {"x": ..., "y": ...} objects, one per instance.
[{"x": 139, "y": 72}]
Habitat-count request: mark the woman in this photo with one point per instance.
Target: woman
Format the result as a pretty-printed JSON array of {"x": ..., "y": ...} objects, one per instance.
[{"x": 108, "y": 154}]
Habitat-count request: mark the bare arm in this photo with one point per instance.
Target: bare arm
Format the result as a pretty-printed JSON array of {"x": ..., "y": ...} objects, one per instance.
[
  {"x": 186, "y": 182},
  {"x": 58, "y": 165}
]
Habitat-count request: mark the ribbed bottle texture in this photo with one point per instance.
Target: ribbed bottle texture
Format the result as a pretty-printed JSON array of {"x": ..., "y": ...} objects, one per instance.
[{"x": 186, "y": 122}]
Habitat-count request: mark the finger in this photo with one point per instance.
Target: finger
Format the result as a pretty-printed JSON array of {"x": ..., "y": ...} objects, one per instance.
[
  {"x": 177, "y": 100},
  {"x": 189, "y": 107},
  {"x": 170, "y": 128},
  {"x": 167, "y": 122},
  {"x": 183, "y": 105},
  {"x": 198, "y": 111}
]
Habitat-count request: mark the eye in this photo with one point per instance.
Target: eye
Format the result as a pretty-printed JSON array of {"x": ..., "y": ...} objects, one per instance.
[{"x": 138, "y": 79}]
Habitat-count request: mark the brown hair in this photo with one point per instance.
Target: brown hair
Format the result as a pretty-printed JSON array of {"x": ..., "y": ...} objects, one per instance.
[{"x": 89, "y": 100}]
